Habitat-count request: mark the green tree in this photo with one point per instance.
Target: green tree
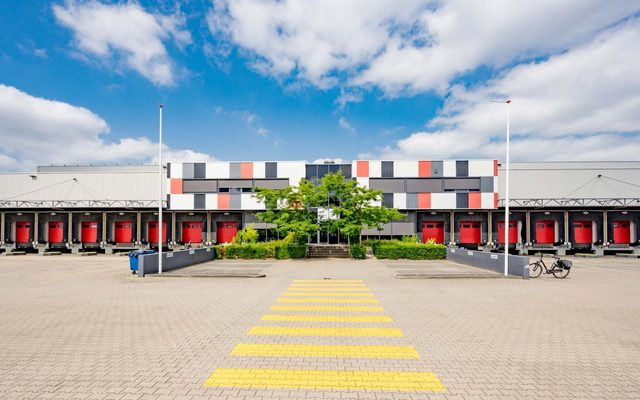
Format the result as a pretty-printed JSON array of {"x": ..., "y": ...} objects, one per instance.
[{"x": 294, "y": 209}]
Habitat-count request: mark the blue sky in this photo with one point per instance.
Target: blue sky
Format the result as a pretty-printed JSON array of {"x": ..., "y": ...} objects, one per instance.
[{"x": 252, "y": 79}]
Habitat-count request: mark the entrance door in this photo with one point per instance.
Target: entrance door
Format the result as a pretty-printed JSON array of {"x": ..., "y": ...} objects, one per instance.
[
  {"x": 226, "y": 231},
  {"x": 513, "y": 232},
  {"x": 545, "y": 232},
  {"x": 582, "y": 232},
  {"x": 192, "y": 231},
  {"x": 433, "y": 230},
  {"x": 153, "y": 231},
  {"x": 56, "y": 231},
  {"x": 621, "y": 232},
  {"x": 124, "y": 232},
  {"x": 23, "y": 232},
  {"x": 470, "y": 232}
]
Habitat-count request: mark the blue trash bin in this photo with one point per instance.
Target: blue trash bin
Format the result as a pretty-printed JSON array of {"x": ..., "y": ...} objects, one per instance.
[{"x": 133, "y": 258}]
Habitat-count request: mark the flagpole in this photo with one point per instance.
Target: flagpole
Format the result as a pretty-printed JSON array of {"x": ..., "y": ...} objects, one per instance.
[
  {"x": 160, "y": 195},
  {"x": 506, "y": 204}
]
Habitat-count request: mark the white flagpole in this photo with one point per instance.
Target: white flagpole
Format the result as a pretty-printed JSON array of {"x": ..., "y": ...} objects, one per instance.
[
  {"x": 160, "y": 195},
  {"x": 506, "y": 201}
]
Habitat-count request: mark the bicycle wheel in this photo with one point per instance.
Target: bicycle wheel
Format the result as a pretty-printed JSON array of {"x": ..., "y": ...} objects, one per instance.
[
  {"x": 535, "y": 269},
  {"x": 560, "y": 272}
]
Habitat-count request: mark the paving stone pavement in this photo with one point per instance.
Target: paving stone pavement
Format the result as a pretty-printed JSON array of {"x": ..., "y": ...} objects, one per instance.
[{"x": 84, "y": 328}]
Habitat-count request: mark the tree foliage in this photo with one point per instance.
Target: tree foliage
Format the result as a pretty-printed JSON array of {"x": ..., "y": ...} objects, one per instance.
[{"x": 295, "y": 208}]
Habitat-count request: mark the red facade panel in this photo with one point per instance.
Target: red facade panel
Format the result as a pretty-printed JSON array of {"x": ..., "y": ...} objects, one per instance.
[
  {"x": 424, "y": 200},
  {"x": 176, "y": 186},
  {"x": 475, "y": 200},
  {"x": 224, "y": 201},
  {"x": 424, "y": 169},
  {"x": 433, "y": 230},
  {"x": 495, "y": 167},
  {"x": 362, "y": 169},
  {"x": 621, "y": 232},
  {"x": 246, "y": 170}
]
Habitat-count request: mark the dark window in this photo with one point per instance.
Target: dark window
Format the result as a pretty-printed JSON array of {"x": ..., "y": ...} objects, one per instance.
[
  {"x": 333, "y": 169},
  {"x": 199, "y": 170},
  {"x": 462, "y": 200},
  {"x": 312, "y": 172},
  {"x": 322, "y": 170},
  {"x": 247, "y": 190},
  {"x": 223, "y": 190},
  {"x": 387, "y": 169},
  {"x": 199, "y": 201},
  {"x": 346, "y": 170},
  {"x": 387, "y": 200},
  {"x": 168, "y": 170},
  {"x": 462, "y": 168},
  {"x": 271, "y": 170}
]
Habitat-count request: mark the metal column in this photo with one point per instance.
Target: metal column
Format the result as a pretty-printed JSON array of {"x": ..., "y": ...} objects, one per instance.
[
  {"x": 605, "y": 227},
  {"x": 566, "y": 226},
  {"x": 138, "y": 227},
  {"x": 70, "y": 228},
  {"x": 104, "y": 226},
  {"x": 452, "y": 236},
  {"x": 2, "y": 238},
  {"x": 35, "y": 227},
  {"x": 490, "y": 227},
  {"x": 528, "y": 226},
  {"x": 173, "y": 227},
  {"x": 208, "y": 226}
]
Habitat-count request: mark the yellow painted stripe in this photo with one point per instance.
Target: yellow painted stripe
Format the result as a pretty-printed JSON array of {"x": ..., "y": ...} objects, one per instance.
[
  {"x": 324, "y": 380},
  {"x": 331, "y": 331},
  {"x": 328, "y": 285},
  {"x": 307, "y": 350},
  {"x": 328, "y": 308},
  {"x": 327, "y": 289},
  {"x": 325, "y": 300},
  {"x": 328, "y": 281},
  {"x": 301, "y": 294},
  {"x": 328, "y": 318}
]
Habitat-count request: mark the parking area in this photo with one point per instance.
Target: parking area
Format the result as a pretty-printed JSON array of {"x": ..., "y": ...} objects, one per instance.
[{"x": 85, "y": 328}]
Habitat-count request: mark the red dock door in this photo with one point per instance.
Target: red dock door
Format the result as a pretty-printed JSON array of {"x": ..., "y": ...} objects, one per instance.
[
  {"x": 56, "y": 231},
  {"x": 433, "y": 230},
  {"x": 153, "y": 232},
  {"x": 582, "y": 232},
  {"x": 470, "y": 232},
  {"x": 23, "y": 231},
  {"x": 192, "y": 231},
  {"x": 621, "y": 232},
  {"x": 545, "y": 232},
  {"x": 513, "y": 232},
  {"x": 123, "y": 232},
  {"x": 226, "y": 231},
  {"x": 89, "y": 232}
]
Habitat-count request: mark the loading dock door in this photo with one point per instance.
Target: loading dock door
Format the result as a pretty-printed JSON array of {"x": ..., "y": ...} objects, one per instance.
[
  {"x": 56, "y": 232},
  {"x": 582, "y": 232},
  {"x": 153, "y": 232},
  {"x": 123, "y": 232},
  {"x": 192, "y": 231},
  {"x": 545, "y": 232},
  {"x": 433, "y": 230},
  {"x": 513, "y": 232},
  {"x": 470, "y": 232},
  {"x": 23, "y": 232},
  {"x": 89, "y": 232},
  {"x": 622, "y": 232},
  {"x": 226, "y": 231}
]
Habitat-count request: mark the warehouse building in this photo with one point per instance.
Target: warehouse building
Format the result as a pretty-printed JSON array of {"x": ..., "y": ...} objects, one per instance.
[{"x": 555, "y": 206}]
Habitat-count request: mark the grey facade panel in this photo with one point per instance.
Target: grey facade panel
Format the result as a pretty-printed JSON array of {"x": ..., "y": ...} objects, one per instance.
[
  {"x": 387, "y": 185},
  {"x": 199, "y": 201},
  {"x": 402, "y": 228},
  {"x": 462, "y": 200},
  {"x": 486, "y": 184},
  {"x": 168, "y": 170},
  {"x": 424, "y": 185},
  {"x": 199, "y": 170},
  {"x": 387, "y": 200},
  {"x": 462, "y": 184},
  {"x": 387, "y": 169},
  {"x": 187, "y": 171},
  {"x": 462, "y": 168},
  {"x": 200, "y": 186},
  {"x": 235, "y": 183},
  {"x": 437, "y": 168},
  {"x": 271, "y": 170},
  {"x": 385, "y": 231},
  {"x": 234, "y": 201},
  {"x": 412, "y": 200},
  {"x": 235, "y": 169},
  {"x": 271, "y": 183}
]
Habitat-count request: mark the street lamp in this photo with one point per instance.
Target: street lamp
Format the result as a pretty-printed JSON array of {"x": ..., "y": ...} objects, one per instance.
[{"x": 506, "y": 196}]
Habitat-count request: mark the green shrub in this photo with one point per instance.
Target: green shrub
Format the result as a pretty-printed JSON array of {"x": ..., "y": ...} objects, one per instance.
[
  {"x": 246, "y": 251},
  {"x": 278, "y": 249},
  {"x": 246, "y": 235},
  {"x": 219, "y": 249},
  {"x": 358, "y": 251},
  {"x": 291, "y": 251},
  {"x": 394, "y": 250},
  {"x": 410, "y": 239}
]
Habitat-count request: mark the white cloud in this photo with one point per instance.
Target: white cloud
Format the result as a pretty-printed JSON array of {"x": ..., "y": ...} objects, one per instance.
[
  {"x": 36, "y": 131},
  {"x": 579, "y": 105},
  {"x": 403, "y": 46},
  {"x": 125, "y": 34},
  {"x": 344, "y": 124},
  {"x": 263, "y": 132},
  {"x": 250, "y": 118}
]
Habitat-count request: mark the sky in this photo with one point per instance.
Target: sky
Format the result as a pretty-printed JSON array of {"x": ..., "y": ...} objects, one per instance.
[{"x": 81, "y": 81}]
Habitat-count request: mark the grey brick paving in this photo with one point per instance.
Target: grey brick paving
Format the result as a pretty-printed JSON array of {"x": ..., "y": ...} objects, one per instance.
[{"x": 84, "y": 328}]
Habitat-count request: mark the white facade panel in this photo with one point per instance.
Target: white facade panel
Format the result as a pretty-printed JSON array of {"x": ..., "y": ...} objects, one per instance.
[
  {"x": 443, "y": 201},
  {"x": 480, "y": 167},
  {"x": 294, "y": 170},
  {"x": 363, "y": 182},
  {"x": 249, "y": 202},
  {"x": 405, "y": 169},
  {"x": 217, "y": 170},
  {"x": 259, "y": 169},
  {"x": 182, "y": 202},
  {"x": 449, "y": 168},
  {"x": 486, "y": 201},
  {"x": 354, "y": 168},
  {"x": 375, "y": 169},
  {"x": 176, "y": 170},
  {"x": 210, "y": 201},
  {"x": 400, "y": 200}
]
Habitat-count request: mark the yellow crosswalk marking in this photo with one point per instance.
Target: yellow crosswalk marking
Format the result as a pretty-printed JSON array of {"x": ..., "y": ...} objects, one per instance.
[
  {"x": 328, "y": 318},
  {"x": 324, "y": 380},
  {"x": 342, "y": 351},
  {"x": 322, "y": 294},
  {"x": 330, "y": 331},
  {"x": 328, "y": 308},
  {"x": 325, "y": 300}
]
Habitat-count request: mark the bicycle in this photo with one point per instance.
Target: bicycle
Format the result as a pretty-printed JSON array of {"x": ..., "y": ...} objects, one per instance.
[{"x": 560, "y": 268}]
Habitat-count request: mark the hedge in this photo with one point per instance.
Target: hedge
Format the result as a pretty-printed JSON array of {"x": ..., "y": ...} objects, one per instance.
[
  {"x": 276, "y": 249},
  {"x": 394, "y": 250},
  {"x": 358, "y": 251}
]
